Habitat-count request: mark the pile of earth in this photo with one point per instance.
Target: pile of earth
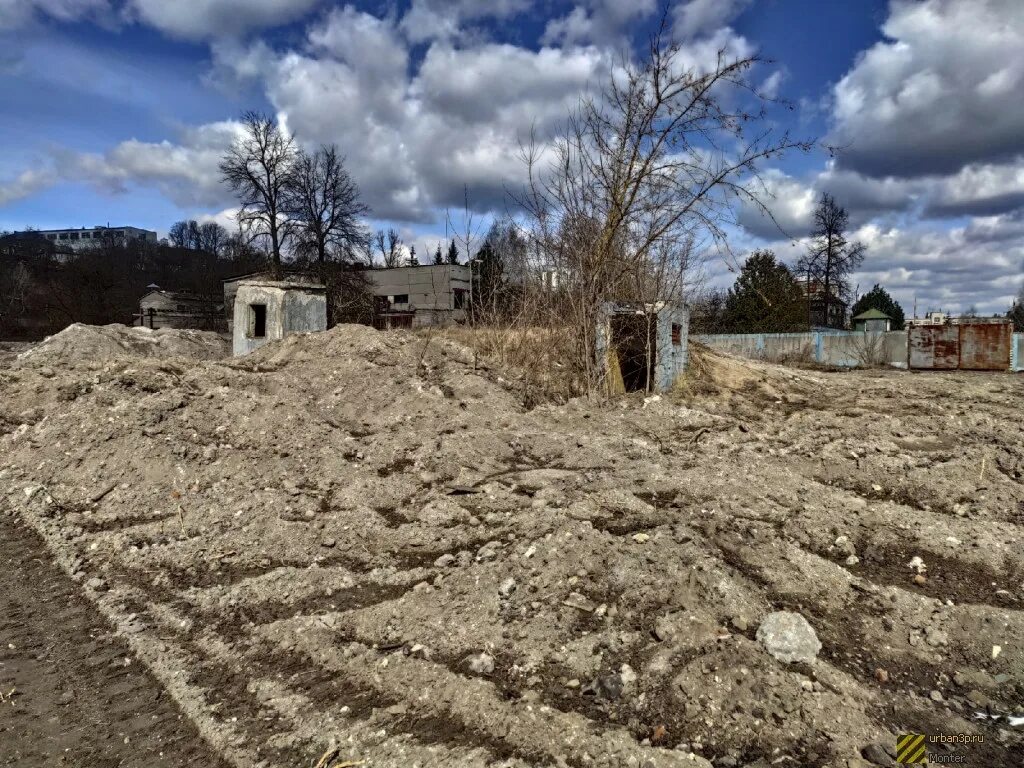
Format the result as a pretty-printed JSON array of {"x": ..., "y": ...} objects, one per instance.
[
  {"x": 80, "y": 344},
  {"x": 361, "y": 543}
]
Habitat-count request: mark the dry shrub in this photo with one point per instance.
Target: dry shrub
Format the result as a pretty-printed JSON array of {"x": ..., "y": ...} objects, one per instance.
[{"x": 539, "y": 358}]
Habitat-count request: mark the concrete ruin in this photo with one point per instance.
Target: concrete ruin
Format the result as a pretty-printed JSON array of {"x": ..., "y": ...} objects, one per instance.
[
  {"x": 267, "y": 310},
  {"x": 642, "y": 347}
]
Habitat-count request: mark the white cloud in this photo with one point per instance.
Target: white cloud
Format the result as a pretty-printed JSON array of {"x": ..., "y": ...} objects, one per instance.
[
  {"x": 941, "y": 92},
  {"x": 25, "y": 184},
  {"x": 207, "y": 19},
  {"x": 14, "y": 13},
  {"x": 603, "y": 22},
  {"x": 186, "y": 172},
  {"x": 443, "y": 19},
  {"x": 694, "y": 18}
]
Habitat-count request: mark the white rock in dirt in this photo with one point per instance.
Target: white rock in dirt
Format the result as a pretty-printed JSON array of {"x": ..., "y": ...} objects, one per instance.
[
  {"x": 481, "y": 664},
  {"x": 507, "y": 587},
  {"x": 917, "y": 565},
  {"x": 788, "y": 637}
]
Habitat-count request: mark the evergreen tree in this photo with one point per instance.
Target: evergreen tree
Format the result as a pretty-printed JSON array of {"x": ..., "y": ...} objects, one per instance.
[
  {"x": 453, "y": 253},
  {"x": 413, "y": 261},
  {"x": 879, "y": 298},
  {"x": 766, "y": 298},
  {"x": 438, "y": 257}
]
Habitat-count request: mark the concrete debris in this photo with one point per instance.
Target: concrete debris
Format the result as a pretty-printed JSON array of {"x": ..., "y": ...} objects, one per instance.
[{"x": 788, "y": 637}]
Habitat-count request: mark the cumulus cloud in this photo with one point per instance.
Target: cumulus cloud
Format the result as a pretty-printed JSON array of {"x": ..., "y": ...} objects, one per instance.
[
  {"x": 597, "y": 21},
  {"x": 25, "y": 184},
  {"x": 443, "y": 19},
  {"x": 694, "y": 18},
  {"x": 185, "y": 172},
  {"x": 205, "y": 19},
  {"x": 941, "y": 92}
]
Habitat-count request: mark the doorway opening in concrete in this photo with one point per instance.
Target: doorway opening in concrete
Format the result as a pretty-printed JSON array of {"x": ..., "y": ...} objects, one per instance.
[
  {"x": 633, "y": 343},
  {"x": 259, "y": 320}
]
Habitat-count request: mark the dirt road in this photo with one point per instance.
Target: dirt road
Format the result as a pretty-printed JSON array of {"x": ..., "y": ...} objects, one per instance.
[
  {"x": 72, "y": 693},
  {"x": 362, "y": 542}
]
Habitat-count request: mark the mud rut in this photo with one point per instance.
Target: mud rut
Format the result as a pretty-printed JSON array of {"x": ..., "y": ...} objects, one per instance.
[{"x": 678, "y": 535}]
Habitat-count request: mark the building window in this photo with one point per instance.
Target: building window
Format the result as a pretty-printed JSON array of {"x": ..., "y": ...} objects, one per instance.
[
  {"x": 63, "y": 235},
  {"x": 258, "y": 321},
  {"x": 460, "y": 298},
  {"x": 51, "y": 237},
  {"x": 402, "y": 298}
]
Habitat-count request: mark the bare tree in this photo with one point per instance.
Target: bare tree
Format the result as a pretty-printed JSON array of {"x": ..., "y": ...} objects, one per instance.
[
  {"x": 260, "y": 167},
  {"x": 185, "y": 234},
  {"x": 212, "y": 238},
  {"x": 323, "y": 201},
  {"x": 830, "y": 258},
  {"x": 646, "y": 173},
  {"x": 390, "y": 246}
]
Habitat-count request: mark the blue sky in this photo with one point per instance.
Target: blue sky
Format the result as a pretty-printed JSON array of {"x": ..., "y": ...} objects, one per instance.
[{"x": 117, "y": 110}]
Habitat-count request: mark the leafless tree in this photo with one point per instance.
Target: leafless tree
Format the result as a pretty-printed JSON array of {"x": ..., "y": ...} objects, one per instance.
[
  {"x": 323, "y": 202},
  {"x": 213, "y": 238},
  {"x": 646, "y": 174},
  {"x": 830, "y": 258},
  {"x": 260, "y": 168},
  {"x": 185, "y": 234},
  {"x": 390, "y": 246}
]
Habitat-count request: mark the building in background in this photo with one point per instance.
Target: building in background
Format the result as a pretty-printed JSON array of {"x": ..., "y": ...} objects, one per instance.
[
  {"x": 814, "y": 292},
  {"x": 179, "y": 309},
  {"x": 87, "y": 237},
  {"x": 872, "y": 321},
  {"x": 411, "y": 297}
]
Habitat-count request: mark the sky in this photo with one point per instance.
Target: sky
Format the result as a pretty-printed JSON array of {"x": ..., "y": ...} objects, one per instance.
[{"x": 117, "y": 111}]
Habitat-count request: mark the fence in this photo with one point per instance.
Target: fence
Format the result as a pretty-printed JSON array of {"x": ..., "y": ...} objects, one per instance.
[
  {"x": 845, "y": 349},
  {"x": 965, "y": 347}
]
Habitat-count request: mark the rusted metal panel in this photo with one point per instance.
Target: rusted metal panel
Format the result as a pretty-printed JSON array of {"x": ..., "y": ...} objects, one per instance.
[
  {"x": 985, "y": 346},
  {"x": 934, "y": 347}
]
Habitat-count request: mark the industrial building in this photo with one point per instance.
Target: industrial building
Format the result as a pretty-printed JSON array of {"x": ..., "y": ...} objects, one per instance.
[
  {"x": 431, "y": 294},
  {"x": 179, "y": 309},
  {"x": 92, "y": 236}
]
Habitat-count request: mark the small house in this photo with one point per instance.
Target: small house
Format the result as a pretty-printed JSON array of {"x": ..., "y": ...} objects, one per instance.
[
  {"x": 642, "y": 347},
  {"x": 872, "y": 321},
  {"x": 178, "y": 309},
  {"x": 267, "y": 310}
]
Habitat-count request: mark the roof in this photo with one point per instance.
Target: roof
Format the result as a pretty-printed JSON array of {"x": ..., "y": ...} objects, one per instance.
[
  {"x": 872, "y": 314},
  {"x": 284, "y": 285}
]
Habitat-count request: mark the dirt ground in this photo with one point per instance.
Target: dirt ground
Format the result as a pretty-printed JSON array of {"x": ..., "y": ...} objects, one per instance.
[
  {"x": 72, "y": 694},
  {"x": 362, "y": 544}
]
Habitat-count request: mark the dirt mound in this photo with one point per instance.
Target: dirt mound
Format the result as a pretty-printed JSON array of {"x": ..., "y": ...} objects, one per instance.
[
  {"x": 362, "y": 541},
  {"x": 80, "y": 344}
]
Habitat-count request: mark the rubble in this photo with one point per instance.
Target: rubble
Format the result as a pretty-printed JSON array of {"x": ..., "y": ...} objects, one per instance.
[{"x": 285, "y": 528}]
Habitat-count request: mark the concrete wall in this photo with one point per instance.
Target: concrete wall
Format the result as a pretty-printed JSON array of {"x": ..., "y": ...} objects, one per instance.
[
  {"x": 1017, "y": 352},
  {"x": 839, "y": 348},
  {"x": 291, "y": 308}
]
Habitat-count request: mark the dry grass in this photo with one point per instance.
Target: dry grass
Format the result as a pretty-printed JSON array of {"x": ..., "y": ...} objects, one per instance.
[{"x": 540, "y": 358}]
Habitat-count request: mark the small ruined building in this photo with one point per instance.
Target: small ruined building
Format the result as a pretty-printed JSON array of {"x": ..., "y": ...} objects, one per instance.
[
  {"x": 814, "y": 293},
  {"x": 872, "y": 321},
  {"x": 642, "y": 347},
  {"x": 267, "y": 310},
  {"x": 230, "y": 287},
  {"x": 410, "y": 297},
  {"x": 179, "y": 309}
]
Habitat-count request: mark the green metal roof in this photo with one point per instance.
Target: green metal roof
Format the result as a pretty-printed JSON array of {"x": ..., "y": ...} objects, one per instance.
[{"x": 872, "y": 314}]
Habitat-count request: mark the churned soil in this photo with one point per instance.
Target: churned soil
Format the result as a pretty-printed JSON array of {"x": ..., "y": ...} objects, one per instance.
[
  {"x": 72, "y": 694},
  {"x": 362, "y": 546}
]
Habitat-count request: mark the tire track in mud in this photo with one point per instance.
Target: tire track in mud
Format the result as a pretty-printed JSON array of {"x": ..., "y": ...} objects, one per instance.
[{"x": 74, "y": 697}]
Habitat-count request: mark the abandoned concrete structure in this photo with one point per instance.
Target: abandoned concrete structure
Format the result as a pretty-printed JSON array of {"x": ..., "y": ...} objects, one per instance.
[
  {"x": 642, "y": 347},
  {"x": 431, "y": 294},
  {"x": 266, "y": 310},
  {"x": 179, "y": 309},
  {"x": 230, "y": 286}
]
